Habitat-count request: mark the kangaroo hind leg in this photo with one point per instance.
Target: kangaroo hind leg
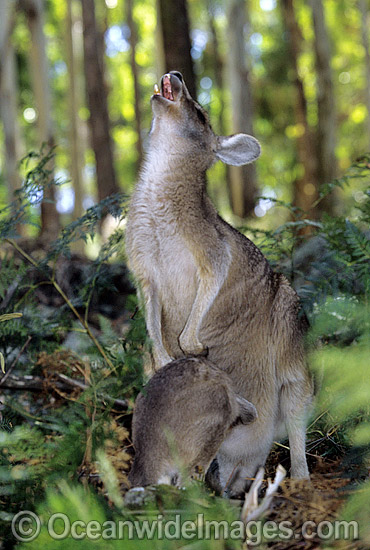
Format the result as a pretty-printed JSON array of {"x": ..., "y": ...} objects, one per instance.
[{"x": 295, "y": 401}]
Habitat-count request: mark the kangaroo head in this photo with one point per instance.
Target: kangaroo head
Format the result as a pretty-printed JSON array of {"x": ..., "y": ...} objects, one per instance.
[{"x": 182, "y": 126}]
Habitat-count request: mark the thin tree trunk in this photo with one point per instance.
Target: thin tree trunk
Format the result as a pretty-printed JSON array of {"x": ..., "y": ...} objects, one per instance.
[
  {"x": 159, "y": 42},
  {"x": 218, "y": 71},
  {"x": 83, "y": 127},
  {"x": 326, "y": 128},
  {"x": 34, "y": 10},
  {"x": 306, "y": 187},
  {"x": 8, "y": 98},
  {"x": 243, "y": 180},
  {"x": 135, "y": 74},
  {"x": 217, "y": 65},
  {"x": 75, "y": 139},
  {"x": 365, "y": 21},
  {"x": 97, "y": 102},
  {"x": 175, "y": 27}
]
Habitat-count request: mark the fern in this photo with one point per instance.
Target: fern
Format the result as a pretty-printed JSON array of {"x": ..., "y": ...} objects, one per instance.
[
  {"x": 36, "y": 181},
  {"x": 86, "y": 226}
]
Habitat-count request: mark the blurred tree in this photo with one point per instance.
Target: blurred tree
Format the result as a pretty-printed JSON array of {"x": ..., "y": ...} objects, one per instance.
[
  {"x": 97, "y": 102},
  {"x": 305, "y": 188},
  {"x": 34, "y": 11},
  {"x": 277, "y": 111},
  {"x": 135, "y": 74},
  {"x": 364, "y": 11},
  {"x": 8, "y": 97},
  {"x": 218, "y": 72},
  {"x": 217, "y": 63},
  {"x": 175, "y": 32},
  {"x": 326, "y": 125},
  {"x": 243, "y": 179},
  {"x": 75, "y": 149}
]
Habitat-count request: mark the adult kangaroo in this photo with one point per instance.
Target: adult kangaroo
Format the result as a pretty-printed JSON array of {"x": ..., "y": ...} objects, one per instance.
[{"x": 207, "y": 289}]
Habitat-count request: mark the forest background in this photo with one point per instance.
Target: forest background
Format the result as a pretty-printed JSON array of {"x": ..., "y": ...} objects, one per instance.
[
  {"x": 80, "y": 74},
  {"x": 76, "y": 78}
]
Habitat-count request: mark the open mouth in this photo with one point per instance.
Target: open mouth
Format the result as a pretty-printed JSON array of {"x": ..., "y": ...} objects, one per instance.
[{"x": 166, "y": 90}]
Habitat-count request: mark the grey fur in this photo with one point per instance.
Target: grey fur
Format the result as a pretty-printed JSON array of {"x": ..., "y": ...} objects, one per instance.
[
  {"x": 180, "y": 420},
  {"x": 206, "y": 288}
]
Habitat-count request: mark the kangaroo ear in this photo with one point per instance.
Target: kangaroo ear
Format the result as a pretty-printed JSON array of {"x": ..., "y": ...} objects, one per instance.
[
  {"x": 238, "y": 149},
  {"x": 247, "y": 411}
]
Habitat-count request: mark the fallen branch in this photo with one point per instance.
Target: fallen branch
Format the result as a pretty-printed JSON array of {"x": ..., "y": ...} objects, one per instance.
[
  {"x": 64, "y": 384},
  {"x": 78, "y": 384},
  {"x": 23, "y": 383}
]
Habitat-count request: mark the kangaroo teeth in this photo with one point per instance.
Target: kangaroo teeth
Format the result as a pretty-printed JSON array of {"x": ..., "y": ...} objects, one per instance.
[{"x": 156, "y": 89}]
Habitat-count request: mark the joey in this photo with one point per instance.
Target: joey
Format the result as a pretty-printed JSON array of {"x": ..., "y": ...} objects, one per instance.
[{"x": 180, "y": 420}]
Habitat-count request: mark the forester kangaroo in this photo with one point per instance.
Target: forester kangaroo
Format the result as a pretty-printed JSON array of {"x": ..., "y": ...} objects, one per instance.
[
  {"x": 181, "y": 419},
  {"x": 207, "y": 289}
]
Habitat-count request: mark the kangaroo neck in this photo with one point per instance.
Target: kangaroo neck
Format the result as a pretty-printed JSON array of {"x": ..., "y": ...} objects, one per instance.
[{"x": 172, "y": 174}]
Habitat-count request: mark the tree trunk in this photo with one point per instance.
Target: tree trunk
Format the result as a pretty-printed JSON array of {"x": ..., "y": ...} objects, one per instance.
[
  {"x": 8, "y": 98},
  {"x": 217, "y": 65},
  {"x": 218, "y": 71},
  {"x": 97, "y": 102},
  {"x": 159, "y": 42},
  {"x": 327, "y": 163},
  {"x": 174, "y": 24},
  {"x": 243, "y": 180},
  {"x": 363, "y": 7},
  {"x": 34, "y": 10},
  {"x": 74, "y": 137},
  {"x": 135, "y": 74},
  {"x": 306, "y": 187}
]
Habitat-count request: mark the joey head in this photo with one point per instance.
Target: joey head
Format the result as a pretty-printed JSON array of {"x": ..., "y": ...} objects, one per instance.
[
  {"x": 207, "y": 289},
  {"x": 180, "y": 420}
]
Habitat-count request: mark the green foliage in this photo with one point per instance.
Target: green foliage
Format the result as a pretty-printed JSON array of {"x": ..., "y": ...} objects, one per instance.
[
  {"x": 40, "y": 446},
  {"x": 82, "y": 504},
  {"x": 10, "y": 271},
  {"x": 273, "y": 85},
  {"x": 345, "y": 389},
  {"x": 340, "y": 318},
  {"x": 38, "y": 178},
  {"x": 86, "y": 227}
]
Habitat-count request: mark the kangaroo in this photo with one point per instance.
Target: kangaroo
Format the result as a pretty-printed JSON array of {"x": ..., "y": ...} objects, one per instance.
[
  {"x": 207, "y": 289},
  {"x": 181, "y": 419}
]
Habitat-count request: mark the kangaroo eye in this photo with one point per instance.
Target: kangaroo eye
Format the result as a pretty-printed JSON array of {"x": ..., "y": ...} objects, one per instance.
[{"x": 179, "y": 75}]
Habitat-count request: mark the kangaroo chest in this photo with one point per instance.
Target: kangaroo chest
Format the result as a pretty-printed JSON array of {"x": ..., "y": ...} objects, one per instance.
[{"x": 164, "y": 256}]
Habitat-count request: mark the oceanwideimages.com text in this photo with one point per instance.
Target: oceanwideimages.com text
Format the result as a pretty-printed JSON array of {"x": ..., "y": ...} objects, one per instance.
[{"x": 26, "y": 526}]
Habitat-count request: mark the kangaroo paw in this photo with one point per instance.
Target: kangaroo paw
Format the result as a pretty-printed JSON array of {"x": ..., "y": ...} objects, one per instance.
[{"x": 192, "y": 346}]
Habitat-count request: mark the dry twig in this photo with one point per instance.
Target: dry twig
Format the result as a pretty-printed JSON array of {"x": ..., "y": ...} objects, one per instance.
[{"x": 251, "y": 510}]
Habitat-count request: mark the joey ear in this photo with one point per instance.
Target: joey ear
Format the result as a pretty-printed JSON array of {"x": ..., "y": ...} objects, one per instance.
[
  {"x": 238, "y": 149},
  {"x": 247, "y": 411}
]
